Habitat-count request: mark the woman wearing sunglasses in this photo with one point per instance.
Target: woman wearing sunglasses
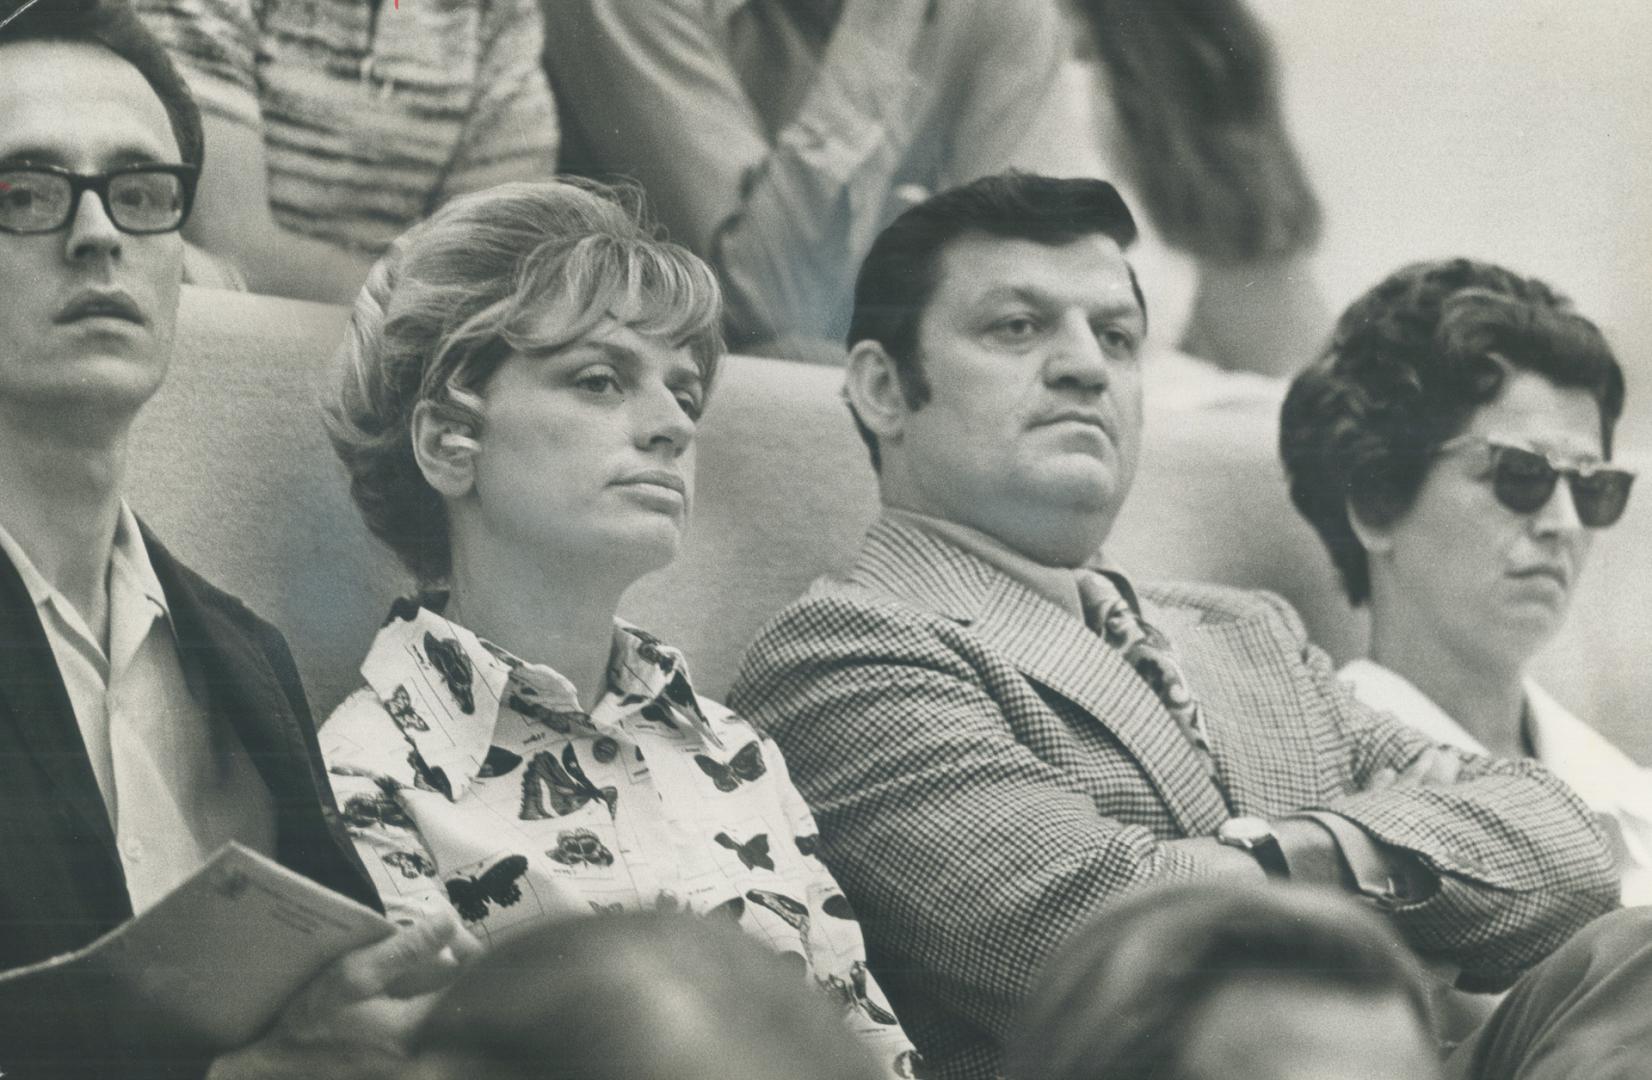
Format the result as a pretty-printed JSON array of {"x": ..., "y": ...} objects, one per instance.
[
  {"x": 1453, "y": 448},
  {"x": 520, "y": 393}
]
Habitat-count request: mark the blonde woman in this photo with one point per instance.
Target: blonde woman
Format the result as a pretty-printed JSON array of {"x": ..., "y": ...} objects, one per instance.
[{"x": 522, "y": 384}]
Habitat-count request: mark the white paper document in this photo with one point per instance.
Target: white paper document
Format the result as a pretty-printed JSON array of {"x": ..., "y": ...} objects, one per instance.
[{"x": 215, "y": 959}]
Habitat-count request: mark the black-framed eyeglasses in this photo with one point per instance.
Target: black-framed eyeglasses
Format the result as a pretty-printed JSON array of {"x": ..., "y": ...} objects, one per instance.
[
  {"x": 140, "y": 199},
  {"x": 1524, "y": 480}
]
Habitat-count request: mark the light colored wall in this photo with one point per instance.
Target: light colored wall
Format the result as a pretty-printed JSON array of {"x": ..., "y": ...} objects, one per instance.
[{"x": 1514, "y": 130}]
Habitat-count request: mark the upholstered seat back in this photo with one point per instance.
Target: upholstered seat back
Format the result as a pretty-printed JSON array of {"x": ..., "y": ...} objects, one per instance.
[{"x": 232, "y": 468}]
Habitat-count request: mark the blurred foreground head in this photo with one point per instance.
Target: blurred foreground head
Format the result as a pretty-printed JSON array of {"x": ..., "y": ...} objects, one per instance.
[
  {"x": 636, "y": 996},
  {"x": 1196, "y": 982}
]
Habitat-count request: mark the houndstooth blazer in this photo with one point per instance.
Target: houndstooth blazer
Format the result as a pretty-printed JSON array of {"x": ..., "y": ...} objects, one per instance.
[{"x": 987, "y": 773}]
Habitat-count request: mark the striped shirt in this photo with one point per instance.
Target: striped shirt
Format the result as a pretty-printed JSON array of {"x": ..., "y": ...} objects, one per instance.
[{"x": 372, "y": 114}]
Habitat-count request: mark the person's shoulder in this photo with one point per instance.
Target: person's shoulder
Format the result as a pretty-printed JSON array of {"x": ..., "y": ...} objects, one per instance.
[
  {"x": 840, "y": 624},
  {"x": 837, "y": 607},
  {"x": 1212, "y": 603}
]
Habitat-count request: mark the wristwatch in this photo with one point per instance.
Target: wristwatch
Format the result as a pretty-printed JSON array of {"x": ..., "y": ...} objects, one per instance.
[{"x": 1255, "y": 835}]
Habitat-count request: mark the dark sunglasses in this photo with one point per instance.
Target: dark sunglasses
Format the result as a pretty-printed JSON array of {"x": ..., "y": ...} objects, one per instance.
[
  {"x": 1524, "y": 480},
  {"x": 140, "y": 199}
]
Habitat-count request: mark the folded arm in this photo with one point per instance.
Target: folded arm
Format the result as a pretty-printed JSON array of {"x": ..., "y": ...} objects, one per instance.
[
  {"x": 969, "y": 857},
  {"x": 1519, "y": 861}
]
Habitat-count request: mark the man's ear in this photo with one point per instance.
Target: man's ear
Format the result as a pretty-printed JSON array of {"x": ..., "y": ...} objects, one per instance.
[
  {"x": 1375, "y": 539},
  {"x": 874, "y": 389},
  {"x": 445, "y": 451}
]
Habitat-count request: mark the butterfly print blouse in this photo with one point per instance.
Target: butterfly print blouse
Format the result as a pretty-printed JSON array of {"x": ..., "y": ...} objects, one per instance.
[{"x": 470, "y": 777}]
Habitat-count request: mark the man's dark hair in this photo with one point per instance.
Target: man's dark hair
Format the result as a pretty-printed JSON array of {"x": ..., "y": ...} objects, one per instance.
[
  {"x": 1408, "y": 365},
  {"x": 900, "y": 272},
  {"x": 1123, "y": 996},
  {"x": 115, "y": 26}
]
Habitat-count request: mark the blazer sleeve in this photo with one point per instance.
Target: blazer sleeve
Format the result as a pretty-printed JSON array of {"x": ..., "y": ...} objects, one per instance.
[
  {"x": 968, "y": 857},
  {"x": 1521, "y": 862}
]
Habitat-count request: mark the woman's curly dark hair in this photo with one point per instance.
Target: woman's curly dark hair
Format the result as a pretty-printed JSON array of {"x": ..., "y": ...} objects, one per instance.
[{"x": 1407, "y": 367}]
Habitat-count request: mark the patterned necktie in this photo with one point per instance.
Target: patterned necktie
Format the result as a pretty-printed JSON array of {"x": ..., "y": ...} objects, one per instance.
[{"x": 1147, "y": 650}]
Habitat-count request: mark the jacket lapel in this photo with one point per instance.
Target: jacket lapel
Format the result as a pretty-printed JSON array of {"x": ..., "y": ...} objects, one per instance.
[
  {"x": 40, "y": 713},
  {"x": 244, "y": 691},
  {"x": 1050, "y": 647},
  {"x": 1269, "y": 759}
]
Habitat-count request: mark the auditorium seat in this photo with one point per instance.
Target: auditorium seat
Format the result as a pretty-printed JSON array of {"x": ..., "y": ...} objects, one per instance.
[{"x": 232, "y": 468}]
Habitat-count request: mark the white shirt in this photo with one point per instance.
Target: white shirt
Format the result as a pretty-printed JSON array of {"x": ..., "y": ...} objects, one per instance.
[
  {"x": 176, "y": 787},
  {"x": 1608, "y": 780},
  {"x": 468, "y": 776}
]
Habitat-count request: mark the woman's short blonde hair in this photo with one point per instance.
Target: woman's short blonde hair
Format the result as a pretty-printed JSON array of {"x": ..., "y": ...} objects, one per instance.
[{"x": 519, "y": 267}]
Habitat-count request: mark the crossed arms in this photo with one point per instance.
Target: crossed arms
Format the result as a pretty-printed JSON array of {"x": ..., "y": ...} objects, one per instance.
[{"x": 971, "y": 856}]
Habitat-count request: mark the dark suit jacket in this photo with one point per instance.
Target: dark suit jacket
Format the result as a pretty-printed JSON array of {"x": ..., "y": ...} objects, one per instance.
[
  {"x": 61, "y": 882},
  {"x": 987, "y": 774}
]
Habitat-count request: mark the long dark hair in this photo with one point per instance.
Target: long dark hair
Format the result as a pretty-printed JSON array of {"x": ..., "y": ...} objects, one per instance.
[{"x": 1196, "y": 89}]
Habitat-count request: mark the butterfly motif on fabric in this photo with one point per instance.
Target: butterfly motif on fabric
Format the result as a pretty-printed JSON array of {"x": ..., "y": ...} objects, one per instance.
[
  {"x": 470, "y": 896},
  {"x": 426, "y": 777},
  {"x": 656, "y": 713},
  {"x": 524, "y": 700},
  {"x": 808, "y": 845},
  {"x": 499, "y": 654},
  {"x": 744, "y": 767},
  {"x": 793, "y": 912},
  {"x": 680, "y": 694},
  {"x": 910, "y": 1066},
  {"x": 648, "y": 648},
  {"x": 563, "y": 785},
  {"x": 411, "y": 864},
  {"x": 837, "y": 906},
  {"x": 365, "y": 811},
  {"x": 400, "y": 707},
  {"x": 858, "y": 978},
  {"x": 851, "y": 994},
  {"x": 403, "y": 609},
  {"x": 754, "y": 853},
  {"x": 580, "y": 847},
  {"x": 499, "y": 762},
  {"x": 448, "y": 657}
]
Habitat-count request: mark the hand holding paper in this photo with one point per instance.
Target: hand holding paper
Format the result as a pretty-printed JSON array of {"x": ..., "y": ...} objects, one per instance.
[{"x": 368, "y": 1001}]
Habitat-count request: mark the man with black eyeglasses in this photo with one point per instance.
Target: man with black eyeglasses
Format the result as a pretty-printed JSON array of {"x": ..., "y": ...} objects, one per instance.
[{"x": 146, "y": 717}]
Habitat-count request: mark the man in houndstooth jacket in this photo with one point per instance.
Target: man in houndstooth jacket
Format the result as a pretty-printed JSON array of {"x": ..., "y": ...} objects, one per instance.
[{"x": 988, "y": 771}]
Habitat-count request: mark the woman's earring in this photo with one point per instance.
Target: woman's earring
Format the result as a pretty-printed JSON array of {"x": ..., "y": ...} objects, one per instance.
[{"x": 453, "y": 440}]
